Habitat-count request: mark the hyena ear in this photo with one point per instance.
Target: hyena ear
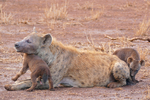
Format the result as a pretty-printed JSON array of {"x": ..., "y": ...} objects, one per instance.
[
  {"x": 47, "y": 39},
  {"x": 34, "y": 30},
  {"x": 142, "y": 62},
  {"x": 129, "y": 60}
]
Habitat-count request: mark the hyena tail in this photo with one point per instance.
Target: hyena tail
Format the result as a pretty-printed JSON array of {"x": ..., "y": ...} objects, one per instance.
[{"x": 45, "y": 77}]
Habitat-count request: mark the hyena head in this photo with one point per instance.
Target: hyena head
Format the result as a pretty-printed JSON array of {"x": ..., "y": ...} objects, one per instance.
[
  {"x": 134, "y": 65},
  {"x": 32, "y": 43}
]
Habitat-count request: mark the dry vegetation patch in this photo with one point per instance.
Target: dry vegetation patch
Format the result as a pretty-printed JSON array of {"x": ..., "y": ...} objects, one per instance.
[
  {"x": 144, "y": 27},
  {"x": 56, "y": 12},
  {"x": 5, "y": 18}
]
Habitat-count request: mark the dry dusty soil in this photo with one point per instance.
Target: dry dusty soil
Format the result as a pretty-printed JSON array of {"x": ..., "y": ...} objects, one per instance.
[{"x": 101, "y": 25}]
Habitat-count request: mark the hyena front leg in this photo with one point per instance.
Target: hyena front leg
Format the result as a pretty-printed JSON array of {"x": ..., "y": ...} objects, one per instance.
[
  {"x": 25, "y": 84},
  {"x": 19, "y": 85}
]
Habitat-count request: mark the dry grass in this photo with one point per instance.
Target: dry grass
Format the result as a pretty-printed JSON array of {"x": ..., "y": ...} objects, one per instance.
[
  {"x": 94, "y": 15},
  {"x": 56, "y": 12},
  {"x": 144, "y": 27},
  {"x": 86, "y": 6},
  {"x": 143, "y": 52},
  {"x": 72, "y": 23},
  {"x": 130, "y": 4},
  {"x": 4, "y": 17},
  {"x": 147, "y": 97},
  {"x": 103, "y": 47}
]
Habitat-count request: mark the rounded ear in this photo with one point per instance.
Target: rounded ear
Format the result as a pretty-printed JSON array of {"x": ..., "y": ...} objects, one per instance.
[
  {"x": 142, "y": 62},
  {"x": 129, "y": 60},
  {"x": 47, "y": 39}
]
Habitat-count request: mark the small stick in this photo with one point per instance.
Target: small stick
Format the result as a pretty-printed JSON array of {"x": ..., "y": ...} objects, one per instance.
[{"x": 131, "y": 40}]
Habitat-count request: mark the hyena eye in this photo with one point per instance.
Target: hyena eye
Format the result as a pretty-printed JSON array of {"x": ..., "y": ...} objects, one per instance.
[{"x": 28, "y": 41}]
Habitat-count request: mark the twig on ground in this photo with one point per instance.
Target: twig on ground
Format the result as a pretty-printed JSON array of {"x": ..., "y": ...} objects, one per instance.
[
  {"x": 131, "y": 40},
  {"x": 139, "y": 38}
]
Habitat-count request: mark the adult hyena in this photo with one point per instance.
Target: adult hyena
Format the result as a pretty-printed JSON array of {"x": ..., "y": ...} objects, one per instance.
[{"x": 72, "y": 67}]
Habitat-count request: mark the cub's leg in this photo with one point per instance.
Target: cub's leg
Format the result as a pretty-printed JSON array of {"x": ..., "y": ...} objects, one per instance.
[
  {"x": 134, "y": 80},
  {"x": 22, "y": 71},
  {"x": 17, "y": 76},
  {"x": 120, "y": 73},
  {"x": 51, "y": 84},
  {"x": 34, "y": 83}
]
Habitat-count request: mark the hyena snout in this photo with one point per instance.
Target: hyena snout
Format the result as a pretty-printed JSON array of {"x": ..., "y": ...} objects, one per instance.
[
  {"x": 133, "y": 72},
  {"x": 17, "y": 45}
]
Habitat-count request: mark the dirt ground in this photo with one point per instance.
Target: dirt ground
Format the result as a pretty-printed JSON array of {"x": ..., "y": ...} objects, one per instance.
[{"x": 101, "y": 25}]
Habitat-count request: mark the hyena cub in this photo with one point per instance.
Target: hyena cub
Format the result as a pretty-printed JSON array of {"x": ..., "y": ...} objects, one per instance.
[
  {"x": 39, "y": 69},
  {"x": 132, "y": 58}
]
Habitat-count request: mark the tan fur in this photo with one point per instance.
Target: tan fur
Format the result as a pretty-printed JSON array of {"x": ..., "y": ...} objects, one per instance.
[
  {"x": 72, "y": 67},
  {"x": 132, "y": 58},
  {"x": 38, "y": 68}
]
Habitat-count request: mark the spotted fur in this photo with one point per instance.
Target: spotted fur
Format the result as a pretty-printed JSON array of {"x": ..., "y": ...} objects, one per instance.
[{"x": 72, "y": 67}]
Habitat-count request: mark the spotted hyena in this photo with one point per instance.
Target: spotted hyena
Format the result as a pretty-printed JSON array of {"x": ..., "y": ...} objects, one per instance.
[
  {"x": 132, "y": 58},
  {"x": 72, "y": 67},
  {"x": 39, "y": 69}
]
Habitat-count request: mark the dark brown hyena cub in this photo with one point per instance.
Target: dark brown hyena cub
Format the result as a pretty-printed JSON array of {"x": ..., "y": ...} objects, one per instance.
[
  {"x": 132, "y": 58},
  {"x": 38, "y": 68}
]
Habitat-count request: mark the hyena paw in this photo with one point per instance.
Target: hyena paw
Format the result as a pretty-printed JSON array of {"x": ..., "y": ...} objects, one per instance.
[
  {"x": 14, "y": 79},
  {"x": 8, "y": 87},
  {"x": 52, "y": 89},
  {"x": 136, "y": 81},
  {"x": 112, "y": 85},
  {"x": 29, "y": 90}
]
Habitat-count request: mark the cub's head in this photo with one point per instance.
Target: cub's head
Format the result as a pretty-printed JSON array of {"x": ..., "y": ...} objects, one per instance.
[
  {"x": 33, "y": 42},
  {"x": 134, "y": 65}
]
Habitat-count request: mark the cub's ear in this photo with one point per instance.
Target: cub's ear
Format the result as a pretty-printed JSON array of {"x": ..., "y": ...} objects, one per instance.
[
  {"x": 47, "y": 40},
  {"x": 142, "y": 62},
  {"x": 129, "y": 60}
]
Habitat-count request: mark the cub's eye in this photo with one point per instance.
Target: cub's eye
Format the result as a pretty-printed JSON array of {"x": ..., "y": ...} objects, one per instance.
[{"x": 28, "y": 41}]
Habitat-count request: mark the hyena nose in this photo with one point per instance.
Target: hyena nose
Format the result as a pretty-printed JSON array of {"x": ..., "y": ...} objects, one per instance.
[{"x": 17, "y": 45}]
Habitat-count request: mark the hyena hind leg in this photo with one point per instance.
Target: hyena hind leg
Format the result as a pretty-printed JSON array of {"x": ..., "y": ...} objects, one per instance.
[{"x": 120, "y": 73}]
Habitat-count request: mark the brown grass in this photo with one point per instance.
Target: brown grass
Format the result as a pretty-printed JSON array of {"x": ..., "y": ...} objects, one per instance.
[
  {"x": 147, "y": 97},
  {"x": 5, "y": 18},
  {"x": 56, "y": 12},
  {"x": 86, "y": 6},
  {"x": 94, "y": 15},
  {"x": 143, "y": 52},
  {"x": 104, "y": 47},
  {"x": 144, "y": 27},
  {"x": 71, "y": 23}
]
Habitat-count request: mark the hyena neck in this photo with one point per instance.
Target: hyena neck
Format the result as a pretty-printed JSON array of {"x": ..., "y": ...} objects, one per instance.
[
  {"x": 51, "y": 53},
  {"x": 46, "y": 55}
]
